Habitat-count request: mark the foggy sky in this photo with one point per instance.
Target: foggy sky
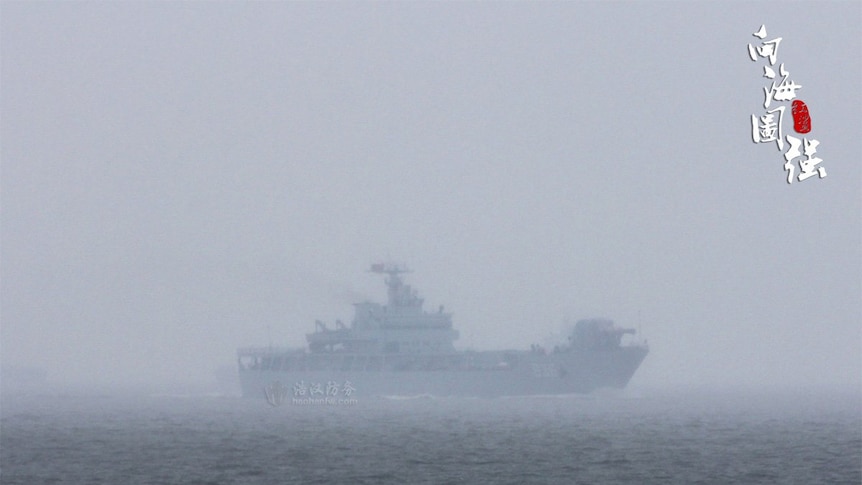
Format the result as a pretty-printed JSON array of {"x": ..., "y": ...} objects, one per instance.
[{"x": 182, "y": 179}]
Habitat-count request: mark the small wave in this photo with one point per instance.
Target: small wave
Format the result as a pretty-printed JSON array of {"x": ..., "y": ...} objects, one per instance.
[
  {"x": 195, "y": 395},
  {"x": 398, "y": 397}
]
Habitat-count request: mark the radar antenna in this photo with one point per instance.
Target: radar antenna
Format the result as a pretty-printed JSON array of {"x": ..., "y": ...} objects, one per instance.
[{"x": 392, "y": 269}]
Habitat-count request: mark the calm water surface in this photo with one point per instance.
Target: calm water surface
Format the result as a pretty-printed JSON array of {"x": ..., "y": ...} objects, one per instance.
[{"x": 606, "y": 438}]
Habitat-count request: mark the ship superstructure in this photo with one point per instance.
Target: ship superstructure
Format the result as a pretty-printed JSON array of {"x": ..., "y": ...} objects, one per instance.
[{"x": 400, "y": 326}]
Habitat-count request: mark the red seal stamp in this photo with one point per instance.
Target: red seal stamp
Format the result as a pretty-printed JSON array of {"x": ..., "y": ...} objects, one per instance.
[{"x": 801, "y": 118}]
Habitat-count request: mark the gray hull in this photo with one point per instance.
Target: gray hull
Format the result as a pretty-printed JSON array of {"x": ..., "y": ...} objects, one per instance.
[{"x": 528, "y": 374}]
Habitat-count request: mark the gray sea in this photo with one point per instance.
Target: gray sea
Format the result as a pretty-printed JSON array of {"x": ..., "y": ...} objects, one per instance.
[{"x": 626, "y": 437}]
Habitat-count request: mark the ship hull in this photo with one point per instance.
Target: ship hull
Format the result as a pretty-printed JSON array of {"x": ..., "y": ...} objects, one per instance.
[{"x": 515, "y": 374}]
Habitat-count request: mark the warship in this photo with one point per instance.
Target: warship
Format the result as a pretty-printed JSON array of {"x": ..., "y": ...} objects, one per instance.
[{"x": 400, "y": 349}]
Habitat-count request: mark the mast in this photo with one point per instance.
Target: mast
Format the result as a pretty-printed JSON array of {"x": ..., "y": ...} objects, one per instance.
[{"x": 398, "y": 293}]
